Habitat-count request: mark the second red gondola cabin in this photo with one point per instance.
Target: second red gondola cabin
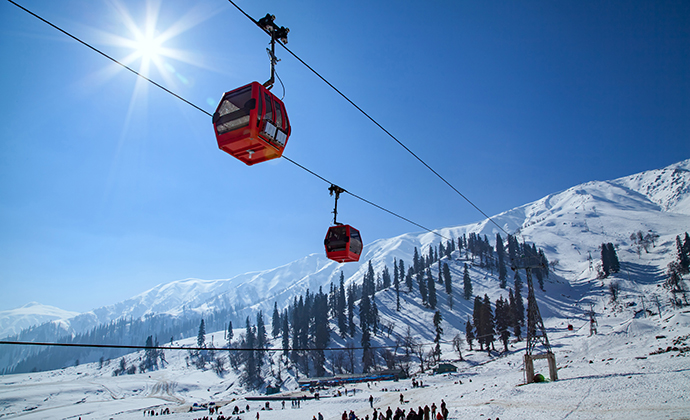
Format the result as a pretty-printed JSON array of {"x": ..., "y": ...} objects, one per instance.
[
  {"x": 251, "y": 124},
  {"x": 343, "y": 243}
]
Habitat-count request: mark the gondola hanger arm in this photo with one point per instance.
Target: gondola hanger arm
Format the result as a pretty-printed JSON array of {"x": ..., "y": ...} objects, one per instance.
[
  {"x": 334, "y": 189},
  {"x": 267, "y": 23}
]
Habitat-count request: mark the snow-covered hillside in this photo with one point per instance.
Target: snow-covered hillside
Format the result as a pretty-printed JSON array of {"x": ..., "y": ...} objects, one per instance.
[
  {"x": 570, "y": 226},
  {"x": 33, "y": 313},
  {"x": 620, "y": 373},
  {"x": 633, "y": 368}
]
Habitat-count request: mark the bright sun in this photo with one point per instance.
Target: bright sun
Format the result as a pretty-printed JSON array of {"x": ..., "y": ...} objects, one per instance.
[
  {"x": 148, "y": 47},
  {"x": 147, "y": 43}
]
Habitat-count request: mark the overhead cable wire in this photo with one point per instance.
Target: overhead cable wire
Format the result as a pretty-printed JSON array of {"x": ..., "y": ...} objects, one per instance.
[
  {"x": 365, "y": 200},
  {"x": 374, "y": 121},
  {"x": 133, "y": 347},
  {"x": 208, "y": 113}
]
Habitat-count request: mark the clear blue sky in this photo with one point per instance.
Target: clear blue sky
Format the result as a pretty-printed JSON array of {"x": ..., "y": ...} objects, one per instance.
[{"x": 109, "y": 186}]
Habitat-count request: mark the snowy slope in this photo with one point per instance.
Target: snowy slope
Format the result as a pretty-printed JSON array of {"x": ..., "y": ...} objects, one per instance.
[
  {"x": 634, "y": 367},
  {"x": 33, "y": 313},
  {"x": 569, "y": 226},
  {"x": 618, "y": 374},
  {"x": 669, "y": 187}
]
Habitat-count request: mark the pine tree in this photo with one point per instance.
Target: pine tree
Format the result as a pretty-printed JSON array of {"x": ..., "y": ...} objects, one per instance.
[
  {"x": 367, "y": 354},
  {"x": 123, "y": 366},
  {"x": 513, "y": 249},
  {"x": 369, "y": 282},
  {"x": 150, "y": 361},
  {"x": 297, "y": 315},
  {"x": 275, "y": 324},
  {"x": 286, "y": 332},
  {"x": 502, "y": 320},
  {"x": 351, "y": 310},
  {"x": 683, "y": 255},
  {"x": 201, "y": 336},
  {"x": 230, "y": 332},
  {"x": 408, "y": 279},
  {"x": 260, "y": 330},
  {"x": 431, "y": 285},
  {"x": 364, "y": 323},
  {"x": 511, "y": 310},
  {"x": 517, "y": 281},
  {"x": 401, "y": 271},
  {"x": 251, "y": 369},
  {"x": 487, "y": 320},
  {"x": 423, "y": 291},
  {"x": 447, "y": 279},
  {"x": 467, "y": 284},
  {"x": 331, "y": 299},
  {"x": 674, "y": 278},
  {"x": 416, "y": 263},
  {"x": 341, "y": 303},
  {"x": 477, "y": 321},
  {"x": 519, "y": 310},
  {"x": 396, "y": 283},
  {"x": 386, "y": 278},
  {"x": 396, "y": 275},
  {"x": 374, "y": 317},
  {"x": 500, "y": 251},
  {"x": 469, "y": 333},
  {"x": 609, "y": 259},
  {"x": 439, "y": 333},
  {"x": 431, "y": 290},
  {"x": 321, "y": 332},
  {"x": 364, "y": 312}
]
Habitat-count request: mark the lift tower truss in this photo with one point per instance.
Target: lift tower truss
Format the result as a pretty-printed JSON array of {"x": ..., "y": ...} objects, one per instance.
[{"x": 536, "y": 333}]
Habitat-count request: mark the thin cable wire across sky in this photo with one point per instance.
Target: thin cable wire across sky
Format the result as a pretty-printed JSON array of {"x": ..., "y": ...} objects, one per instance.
[
  {"x": 211, "y": 115},
  {"x": 374, "y": 121},
  {"x": 269, "y": 349}
]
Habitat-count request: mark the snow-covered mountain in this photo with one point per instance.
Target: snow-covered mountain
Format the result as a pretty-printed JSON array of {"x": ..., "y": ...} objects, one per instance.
[
  {"x": 668, "y": 187},
  {"x": 569, "y": 225},
  {"x": 33, "y": 313}
]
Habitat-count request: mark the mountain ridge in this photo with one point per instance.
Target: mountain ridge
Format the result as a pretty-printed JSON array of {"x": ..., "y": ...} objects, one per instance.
[{"x": 664, "y": 192}]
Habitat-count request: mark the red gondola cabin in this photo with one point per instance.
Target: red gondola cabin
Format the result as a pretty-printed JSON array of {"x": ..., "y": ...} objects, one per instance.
[
  {"x": 343, "y": 243},
  {"x": 251, "y": 124}
]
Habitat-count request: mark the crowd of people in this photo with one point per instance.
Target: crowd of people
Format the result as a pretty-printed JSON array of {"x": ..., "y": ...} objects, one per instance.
[
  {"x": 427, "y": 412},
  {"x": 421, "y": 413},
  {"x": 152, "y": 412}
]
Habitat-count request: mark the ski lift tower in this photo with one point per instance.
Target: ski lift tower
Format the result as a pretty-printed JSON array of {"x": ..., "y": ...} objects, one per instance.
[{"x": 536, "y": 333}]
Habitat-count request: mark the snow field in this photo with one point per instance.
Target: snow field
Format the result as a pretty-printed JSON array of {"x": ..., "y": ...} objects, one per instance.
[{"x": 608, "y": 376}]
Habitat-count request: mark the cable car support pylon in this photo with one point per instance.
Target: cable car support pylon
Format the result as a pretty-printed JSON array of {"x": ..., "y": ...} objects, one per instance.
[{"x": 536, "y": 332}]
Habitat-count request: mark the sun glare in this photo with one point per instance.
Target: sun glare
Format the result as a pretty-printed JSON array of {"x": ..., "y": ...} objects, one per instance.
[
  {"x": 149, "y": 48},
  {"x": 148, "y": 43}
]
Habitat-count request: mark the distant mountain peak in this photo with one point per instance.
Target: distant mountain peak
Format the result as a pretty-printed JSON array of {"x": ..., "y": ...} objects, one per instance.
[{"x": 33, "y": 313}]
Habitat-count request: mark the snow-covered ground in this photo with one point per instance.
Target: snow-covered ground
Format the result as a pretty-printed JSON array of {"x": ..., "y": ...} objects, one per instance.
[
  {"x": 611, "y": 375},
  {"x": 636, "y": 367}
]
